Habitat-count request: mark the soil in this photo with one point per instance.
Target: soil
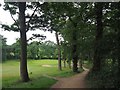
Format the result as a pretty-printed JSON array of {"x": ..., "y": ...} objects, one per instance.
[{"x": 76, "y": 81}]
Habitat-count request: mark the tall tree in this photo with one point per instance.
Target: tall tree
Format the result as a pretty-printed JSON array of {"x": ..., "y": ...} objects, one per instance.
[
  {"x": 59, "y": 51},
  {"x": 23, "y": 60},
  {"x": 53, "y": 21},
  {"x": 76, "y": 23},
  {"x": 74, "y": 46},
  {"x": 23, "y": 26},
  {"x": 99, "y": 34},
  {"x": 118, "y": 44},
  {"x": 3, "y": 47},
  {"x": 118, "y": 26}
]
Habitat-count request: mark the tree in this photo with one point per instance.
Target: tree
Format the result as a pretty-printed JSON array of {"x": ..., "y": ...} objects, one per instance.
[
  {"x": 59, "y": 51},
  {"x": 13, "y": 51},
  {"x": 23, "y": 41},
  {"x": 50, "y": 49},
  {"x": 53, "y": 21},
  {"x": 118, "y": 39},
  {"x": 106, "y": 51},
  {"x": 57, "y": 18},
  {"x": 115, "y": 25},
  {"x": 33, "y": 50},
  {"x": 23, "y": 26},
  {"x": 3, "y": 47},
  {"x": 99, "y": 34},
  {"x": 41, "y": 50}
]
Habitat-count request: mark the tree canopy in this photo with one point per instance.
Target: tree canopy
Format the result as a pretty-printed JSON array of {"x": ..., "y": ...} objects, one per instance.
[{"x": 90, "y": 31}]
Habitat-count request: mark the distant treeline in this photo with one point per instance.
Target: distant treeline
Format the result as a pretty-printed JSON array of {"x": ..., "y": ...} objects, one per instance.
[{"x": 35, "y": 50}]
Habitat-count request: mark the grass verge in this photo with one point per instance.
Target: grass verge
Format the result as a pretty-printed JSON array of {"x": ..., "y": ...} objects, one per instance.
[{"x": 36, "y": 70}]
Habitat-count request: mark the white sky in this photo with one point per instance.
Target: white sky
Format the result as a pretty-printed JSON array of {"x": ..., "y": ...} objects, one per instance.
[{"x": 11, "y": 36}]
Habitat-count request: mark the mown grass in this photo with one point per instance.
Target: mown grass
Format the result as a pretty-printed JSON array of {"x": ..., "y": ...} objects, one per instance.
[
  {"x": 37, "y": 72},
  {"x": 39, "y": 82}
]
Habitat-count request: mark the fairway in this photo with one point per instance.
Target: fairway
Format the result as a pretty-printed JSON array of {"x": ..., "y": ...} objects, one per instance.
[{"x": 37, "y": 70}]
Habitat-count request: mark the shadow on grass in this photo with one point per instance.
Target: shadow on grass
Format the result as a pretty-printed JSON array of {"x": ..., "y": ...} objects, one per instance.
[{"x": 40, "y": 82}]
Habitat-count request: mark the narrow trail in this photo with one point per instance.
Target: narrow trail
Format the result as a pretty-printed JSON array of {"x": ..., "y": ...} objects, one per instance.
[{"x": 76, "y": 81}]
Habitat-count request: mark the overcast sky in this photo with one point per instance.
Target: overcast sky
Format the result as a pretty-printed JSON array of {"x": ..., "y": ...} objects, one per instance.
[{"x": 11, "y": 36}]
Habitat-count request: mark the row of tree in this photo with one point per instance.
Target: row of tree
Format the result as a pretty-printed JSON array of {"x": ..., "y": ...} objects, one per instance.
[
  {"x": 89, "y": 30},
  {"x": 35, "y": 50}
]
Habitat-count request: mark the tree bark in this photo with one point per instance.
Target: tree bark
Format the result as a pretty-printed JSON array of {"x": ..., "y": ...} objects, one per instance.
[
  {"x": 74, "y": 53},
  {"x": 23, "y": 60},
  {"x": 59, "y": 52},
  {"x": 69, "y": 62},
  {"x": 64, "y": 62},
  {"x": 74, "y": 46},
  {"x": 118, "y": 40},
  {"x": 99, "y": 34},
  {"x": 80, "y": 64}
]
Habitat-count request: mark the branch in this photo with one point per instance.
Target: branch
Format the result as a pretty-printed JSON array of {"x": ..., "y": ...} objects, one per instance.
[
  {"x": 63, "y": 23},
  {"x": 14, "y": 20},
  {"x": 13, "y": 17},
  {"x": 28, "y": 24},
  {"x": 41, "y": 37},
  {"x": 75, "y": 24},
  {"x": 59, "y": 26}
]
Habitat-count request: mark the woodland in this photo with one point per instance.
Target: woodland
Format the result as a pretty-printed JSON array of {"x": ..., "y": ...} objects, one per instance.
[{"x": 90, "y": 33}]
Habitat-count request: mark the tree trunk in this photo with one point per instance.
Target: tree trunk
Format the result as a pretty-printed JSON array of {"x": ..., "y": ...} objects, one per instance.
[
  {"x": 69, "y": 62},
  {"x": 23, "y": 60},
  {"x": 99, "y": 33},
  {"x": 59, "y": 52},
  {"x": 64, "y": 62},
  {"x": 80, "y": 64},
  {"x": 118, "y": 40},
  {"x": 74, "y": 53},
  {"x": 118, "y": 57},
  {"x": 74, "y": 46},
  {"x": 113, "y": 61}
]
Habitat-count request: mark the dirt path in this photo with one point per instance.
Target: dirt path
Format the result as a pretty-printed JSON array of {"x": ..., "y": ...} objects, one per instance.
[{"x": 76, "y": 81}]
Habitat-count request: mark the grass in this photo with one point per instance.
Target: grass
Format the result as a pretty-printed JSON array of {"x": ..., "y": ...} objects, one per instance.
[
  {"x": 39, "y": 82},
  {"x": 11, "y": 77}
]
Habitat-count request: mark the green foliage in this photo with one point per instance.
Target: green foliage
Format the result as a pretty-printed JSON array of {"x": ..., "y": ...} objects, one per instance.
[
  {"x": 87, "y": 64},
  {"x": 35, "y": 50},
  {"x": 44, "y": 50},
  {"x": 3, "y": 47},
  {"x": 106, "y": 78}
]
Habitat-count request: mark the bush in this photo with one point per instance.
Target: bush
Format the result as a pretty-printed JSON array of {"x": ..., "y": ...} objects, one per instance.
[{"x": 106, "y": 78}]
